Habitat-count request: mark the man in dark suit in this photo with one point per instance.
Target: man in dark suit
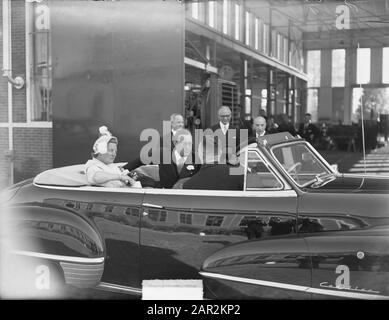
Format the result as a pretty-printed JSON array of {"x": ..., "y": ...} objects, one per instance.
[
  {"x": 168, "y": 170},
  {"x": 229, "y": 135},
  {"x": 176, "y": 123},
  {"x": 308, "y": 130},
  {"x": 214, "y": 175},
  {"x": 258, "y": 130},
  {"x": 286, "y": 124},
  {"x": 244, "y": 123},
  {"x": 182, "y": 164}
]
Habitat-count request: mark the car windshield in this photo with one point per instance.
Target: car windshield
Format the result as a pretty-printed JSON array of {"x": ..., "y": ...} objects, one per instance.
[{"x": 301, "y": 163}]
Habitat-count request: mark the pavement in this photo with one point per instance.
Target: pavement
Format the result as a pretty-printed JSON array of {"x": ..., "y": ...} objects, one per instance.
[{"x": 376, "y": 161}]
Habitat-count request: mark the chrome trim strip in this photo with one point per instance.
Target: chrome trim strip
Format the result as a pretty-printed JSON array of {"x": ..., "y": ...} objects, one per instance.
[
  {"x": 362, "y": 175},
  {"x": 118, "y": 288},
  {"x": 347, "y": 294},
  {"x": 223, "y": 193},
  {"x": 150, "y": 205},
  {"x": 90, "y": 188},
  {"x": 255, "y": 281},
  {"x": 344, "y": 294},
  {"x": 58, "y": 257},
  {"x": 271, "y": 193}
]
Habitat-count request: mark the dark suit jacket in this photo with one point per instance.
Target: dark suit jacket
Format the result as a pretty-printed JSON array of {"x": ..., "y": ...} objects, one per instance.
[
  {"x": 215, "y": 177},
  {"x": 245, "y": 125},
  {"x": 253, "y": 138},
  {"x": 235, "y": 137},
  {"x": 287, "y": 127},
  {"x": 136, "y": 163},
  {"x": 169, "y": 175},
  {"x": 309, "y": 133}
]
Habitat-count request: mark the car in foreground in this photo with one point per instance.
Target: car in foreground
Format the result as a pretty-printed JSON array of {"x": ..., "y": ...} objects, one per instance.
[{"x": 297, "y": 230}]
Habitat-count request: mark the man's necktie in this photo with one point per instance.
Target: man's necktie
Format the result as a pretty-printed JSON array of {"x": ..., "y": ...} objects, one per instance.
[{"x": 180, "y": 164}]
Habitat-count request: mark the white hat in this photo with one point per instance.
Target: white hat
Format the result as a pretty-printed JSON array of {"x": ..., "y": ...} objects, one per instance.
[{"x": 101, "y": 144}]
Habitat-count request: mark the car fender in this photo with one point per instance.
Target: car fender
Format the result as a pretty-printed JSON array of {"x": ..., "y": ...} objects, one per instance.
[{"x": 56, "y": 236}]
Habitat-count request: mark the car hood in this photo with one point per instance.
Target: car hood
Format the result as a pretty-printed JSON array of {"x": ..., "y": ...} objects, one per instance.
[{"x": 352, "y": 183}]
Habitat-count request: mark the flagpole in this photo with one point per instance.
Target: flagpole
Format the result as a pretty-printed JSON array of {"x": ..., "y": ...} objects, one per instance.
[{"x": 363, "y": 128}]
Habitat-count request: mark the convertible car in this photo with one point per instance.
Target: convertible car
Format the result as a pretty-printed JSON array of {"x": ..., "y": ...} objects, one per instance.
[{"x": 298, "y": 229}]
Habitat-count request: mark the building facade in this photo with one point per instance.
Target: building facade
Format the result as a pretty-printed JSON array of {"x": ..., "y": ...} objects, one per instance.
[
  {"x": 25, "y": 139},
  {"x": 249, "y": 55}
]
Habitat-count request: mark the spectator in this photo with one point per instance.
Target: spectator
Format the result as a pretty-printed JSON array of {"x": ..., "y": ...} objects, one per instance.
[
  {"x": 262, "y": 113},
  {"x": 308, "y": 130},
  {"x": 226, "y": 131},
  {"x": 272, "y": 127},
  {"x": 286, "y": 125}
]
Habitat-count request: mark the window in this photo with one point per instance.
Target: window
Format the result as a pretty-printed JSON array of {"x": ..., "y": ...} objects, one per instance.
[
  {"x": 109, "y": 209},
  {"x": 279, "y": 46},
  {"x": 338, "y": 67},
  {"x": 357, "y": 97},
  {"x": 247, "y": 99},
  {"x": 256, "y": 34},
  {"x": 286, "y": 51},
  {"x": 211, "y": 13},
  {"x": 265, "y": 45},
  {"x": 363, "y": 65},
  {"x": 214, "y": 221},
  {"x": 300, "y": 163},
  {"x": 237, "y": 21},
  {"x": 162, "y": 216},
  {"x": 296, "y": 54},
  {"x": 248, "y": 28},
  {"x": 132, "y": 212},
  {"x": 40, "y": 75},
  {"x": 327, "y": 222},
  {"x": 225, "y": 16},
  {"x": 313, "y": 103},
  {"x": 185, "y": 218},
  {"x": 264, "y": 98},
  {"x": 274, "y": 43},
  {"x": 385, "y": 65},
  {"x": 313, "y": 68},
  {"x": 258, "y": 175},
  {"x": 195, "y": 10},
  {"x": 153, "y": 214},
  {"x": 247, "y": 219}
]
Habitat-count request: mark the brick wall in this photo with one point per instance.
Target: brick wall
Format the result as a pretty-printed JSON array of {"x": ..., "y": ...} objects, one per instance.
[
  {"x": 33, "y": 152},
  {"x": 3, "y": 81},
  {"x": 4, "y": 164},
  {"x": 32, "y": 146},
  {"x": 18, "y": 27},
  {"x": 4, "y": 161}
]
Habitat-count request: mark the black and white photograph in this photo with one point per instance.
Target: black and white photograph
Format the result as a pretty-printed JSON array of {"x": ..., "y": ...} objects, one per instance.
[{"x": 212, "y": 151}]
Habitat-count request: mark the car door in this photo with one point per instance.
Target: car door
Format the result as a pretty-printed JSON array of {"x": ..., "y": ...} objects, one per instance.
[
  {"x": 181, "y": 228},
  {"x": 350, "y": 264}
]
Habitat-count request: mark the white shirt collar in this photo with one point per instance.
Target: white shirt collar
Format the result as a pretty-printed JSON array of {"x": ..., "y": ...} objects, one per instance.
[
  {"x": 224, "y": 127},
  {"x": 260, "y": 135},
  {"x": 179, "y": 158}
]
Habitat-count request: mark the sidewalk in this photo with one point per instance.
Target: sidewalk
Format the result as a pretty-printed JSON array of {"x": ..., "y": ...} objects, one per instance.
[{"x": 377, "y": 160}]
